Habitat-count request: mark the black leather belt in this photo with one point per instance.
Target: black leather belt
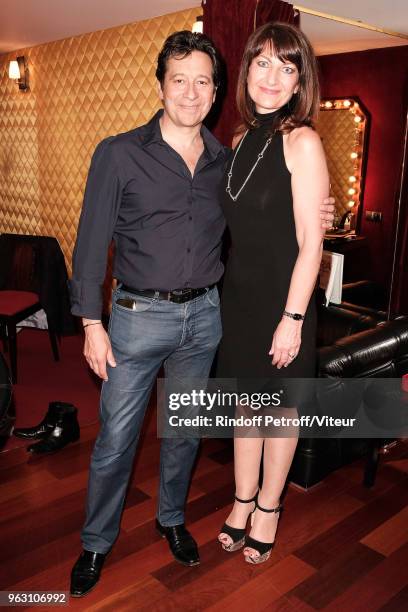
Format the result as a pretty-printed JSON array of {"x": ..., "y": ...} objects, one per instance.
[{"x": 179, "y": 296}]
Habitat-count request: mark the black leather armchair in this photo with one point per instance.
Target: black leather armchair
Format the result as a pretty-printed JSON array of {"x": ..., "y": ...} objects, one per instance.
[
  {"x": 336, "y": 322},
  {"x": 364, "y": 293},
  {"x": 380, "y": 352}
]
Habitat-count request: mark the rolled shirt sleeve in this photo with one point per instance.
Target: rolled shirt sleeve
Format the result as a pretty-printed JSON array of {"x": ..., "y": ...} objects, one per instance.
[{"x": 100, "y": 210}]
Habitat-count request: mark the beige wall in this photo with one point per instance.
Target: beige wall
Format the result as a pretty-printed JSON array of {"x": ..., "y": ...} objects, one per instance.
[{"x": 82, "y": 89}]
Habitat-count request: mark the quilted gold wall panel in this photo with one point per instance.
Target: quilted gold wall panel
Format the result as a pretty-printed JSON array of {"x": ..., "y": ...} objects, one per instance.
[
  {"x": 82, "y": 89},
  {"x": 337, "y": 130}
]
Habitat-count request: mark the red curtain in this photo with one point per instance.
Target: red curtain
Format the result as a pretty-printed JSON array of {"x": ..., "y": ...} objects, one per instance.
[
  {"x": 399, "y": 297},
  {"x": 229, "y": 24},
  {"x": 401, "y": 300}
]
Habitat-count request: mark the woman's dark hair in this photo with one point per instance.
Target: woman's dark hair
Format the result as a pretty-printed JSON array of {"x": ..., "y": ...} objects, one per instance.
[
  {"x": 288, "y": 44},
  {"x": 180, "y": 44}
]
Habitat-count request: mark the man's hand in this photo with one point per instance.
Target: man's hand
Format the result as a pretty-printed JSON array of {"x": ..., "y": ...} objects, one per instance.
[
  {"x": 327, "y": 213},
  {"x": 97, "y": 348}
]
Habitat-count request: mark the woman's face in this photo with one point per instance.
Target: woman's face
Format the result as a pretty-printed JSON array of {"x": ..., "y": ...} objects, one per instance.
[{"x": 271, "y": 83}]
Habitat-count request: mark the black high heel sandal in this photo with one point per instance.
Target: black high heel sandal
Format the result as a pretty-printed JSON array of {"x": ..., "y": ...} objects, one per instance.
[
  {"x": 263, "y": 548},
  {"x": 237, "y": 535}
]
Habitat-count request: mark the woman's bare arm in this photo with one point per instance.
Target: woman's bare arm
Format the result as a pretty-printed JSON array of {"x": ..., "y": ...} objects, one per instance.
[{"x": 310, "y": 186}]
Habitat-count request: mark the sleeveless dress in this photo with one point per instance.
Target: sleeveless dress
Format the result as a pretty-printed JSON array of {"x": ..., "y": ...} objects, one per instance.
[{"x": 260, "y": 263}]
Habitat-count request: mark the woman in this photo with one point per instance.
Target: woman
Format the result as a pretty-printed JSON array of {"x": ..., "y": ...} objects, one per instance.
[{"x": 276, "y": 180}]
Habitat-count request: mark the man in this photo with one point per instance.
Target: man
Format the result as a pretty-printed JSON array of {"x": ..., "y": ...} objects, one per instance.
[{"x": 154, "y": 190}]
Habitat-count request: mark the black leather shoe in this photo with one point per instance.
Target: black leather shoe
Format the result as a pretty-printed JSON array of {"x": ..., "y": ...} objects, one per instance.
[
  {"x": 86, "y": 572},
  {"x": 45, "y": 427},
  {"x": 181, "y": 542},
  {"x": 66, "y": 430}
]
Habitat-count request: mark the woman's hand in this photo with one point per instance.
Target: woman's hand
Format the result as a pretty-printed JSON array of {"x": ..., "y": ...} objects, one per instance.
[
  {"x": 327, "y": 210},
  {"x": 286, "y": 342}
]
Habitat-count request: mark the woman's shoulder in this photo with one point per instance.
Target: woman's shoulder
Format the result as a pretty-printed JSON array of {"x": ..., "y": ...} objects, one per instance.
[
  {"x": 303, "y": 139},
  {"x": 302, "y": 147}
]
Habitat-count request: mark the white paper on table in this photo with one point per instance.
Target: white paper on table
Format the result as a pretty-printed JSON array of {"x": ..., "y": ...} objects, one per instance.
[{"x": 331, "y": 276}]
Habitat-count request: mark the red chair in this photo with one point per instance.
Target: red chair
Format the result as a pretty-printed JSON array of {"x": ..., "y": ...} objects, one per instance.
[
  {"x": 7, "y": 410},
  {"x": 19, "y": 300}
]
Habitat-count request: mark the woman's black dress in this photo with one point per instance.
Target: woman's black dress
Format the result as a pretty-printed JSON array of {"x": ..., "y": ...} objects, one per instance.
[{"x": 260, "y": 264}]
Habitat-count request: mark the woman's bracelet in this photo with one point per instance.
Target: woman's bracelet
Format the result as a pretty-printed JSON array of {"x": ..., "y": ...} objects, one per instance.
[
  {"x": 294, "y": 315},
  {"x": 88, "y": 324}
]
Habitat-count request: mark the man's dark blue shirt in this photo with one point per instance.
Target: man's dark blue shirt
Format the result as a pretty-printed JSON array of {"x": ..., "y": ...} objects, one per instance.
[{"x": 166, "y": 224}]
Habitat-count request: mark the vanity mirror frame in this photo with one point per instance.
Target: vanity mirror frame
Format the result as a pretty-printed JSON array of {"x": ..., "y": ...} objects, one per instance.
[{"x": 350, "y": 195}]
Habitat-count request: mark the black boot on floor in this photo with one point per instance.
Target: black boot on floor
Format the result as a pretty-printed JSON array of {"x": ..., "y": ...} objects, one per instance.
[
  {"x": 86, "y": 572},
  {"x": 46, "y": 426},
  {"x": 66, "y": 430}
]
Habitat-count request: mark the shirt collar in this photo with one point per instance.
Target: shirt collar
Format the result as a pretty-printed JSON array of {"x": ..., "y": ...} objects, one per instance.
[{"x": 153, "y": 134}]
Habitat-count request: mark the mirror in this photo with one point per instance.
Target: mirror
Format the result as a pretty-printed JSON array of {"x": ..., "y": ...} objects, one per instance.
[{"x": 343, "y": 128}]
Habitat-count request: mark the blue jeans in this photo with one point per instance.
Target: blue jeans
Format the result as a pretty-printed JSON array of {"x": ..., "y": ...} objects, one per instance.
[{"x": 183, "y": 338}]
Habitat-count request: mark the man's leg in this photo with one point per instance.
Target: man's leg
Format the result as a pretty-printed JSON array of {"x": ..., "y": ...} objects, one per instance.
[
  {"x": 193, "y": 359},
  {"x": 141, "y": 340}
]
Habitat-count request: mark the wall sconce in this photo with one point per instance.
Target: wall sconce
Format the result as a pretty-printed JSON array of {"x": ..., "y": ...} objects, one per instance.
[
  {"x": 18, "y": 71},
  {"x": 198, "y": 25}
]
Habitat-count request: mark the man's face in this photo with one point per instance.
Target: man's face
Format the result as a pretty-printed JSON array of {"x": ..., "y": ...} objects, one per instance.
[{"x": 188, "y": 90}]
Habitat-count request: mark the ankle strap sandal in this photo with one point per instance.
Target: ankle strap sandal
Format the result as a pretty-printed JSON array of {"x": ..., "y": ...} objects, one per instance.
[
  {"x": 237, "y": 535},
  {"x": 277, "y": 509},
  {"x": 263, "y": 548},
  {"x": 248, "y": 501}
]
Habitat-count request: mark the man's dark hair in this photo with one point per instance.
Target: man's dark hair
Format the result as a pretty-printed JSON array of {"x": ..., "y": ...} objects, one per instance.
[{"x": 181, "y": 44}]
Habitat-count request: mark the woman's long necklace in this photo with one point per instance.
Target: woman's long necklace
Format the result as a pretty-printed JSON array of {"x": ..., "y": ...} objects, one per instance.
[{"x": 260, "y": 156}]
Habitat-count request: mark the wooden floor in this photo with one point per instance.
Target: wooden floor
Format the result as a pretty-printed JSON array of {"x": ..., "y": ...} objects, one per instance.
[{"x": 339, "y": 546}]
